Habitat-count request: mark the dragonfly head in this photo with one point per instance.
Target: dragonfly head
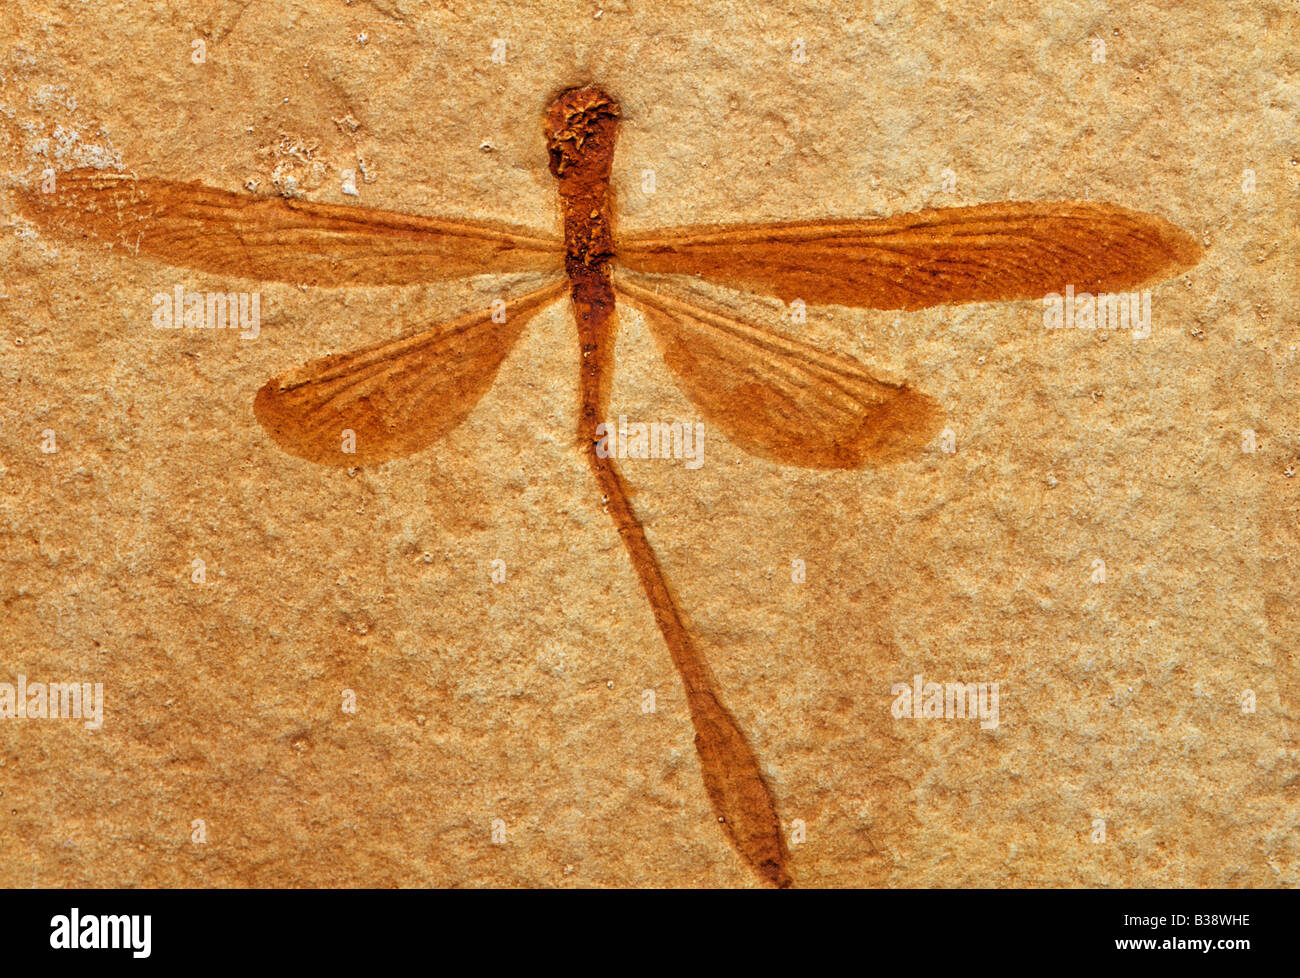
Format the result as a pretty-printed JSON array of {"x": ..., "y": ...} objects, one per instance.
[{"x": 580, "y": 129}]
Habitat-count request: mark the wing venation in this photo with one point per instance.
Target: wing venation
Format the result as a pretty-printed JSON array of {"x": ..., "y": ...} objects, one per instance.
[
  {"x": 778, "y": 398},
  {"x": 276, "y": 239},
  {"x": 393, "y": 398},
  {"x": 962, "y": 254}
]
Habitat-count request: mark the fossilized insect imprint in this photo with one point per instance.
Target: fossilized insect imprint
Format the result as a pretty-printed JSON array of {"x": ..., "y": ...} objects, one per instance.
[{"x": 772, "y": 395}]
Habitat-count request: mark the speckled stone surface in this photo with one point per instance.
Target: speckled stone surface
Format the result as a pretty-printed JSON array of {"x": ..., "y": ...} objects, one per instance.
[{"x": 1123, "y": 755}]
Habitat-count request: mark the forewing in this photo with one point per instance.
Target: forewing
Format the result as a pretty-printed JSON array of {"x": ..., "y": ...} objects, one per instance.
[
  {"x": 277, "y": 239},
  {"x": 960, "y": 254},
  {"x": 394, "y": 398},
  {"x": 778, "y": 398}
]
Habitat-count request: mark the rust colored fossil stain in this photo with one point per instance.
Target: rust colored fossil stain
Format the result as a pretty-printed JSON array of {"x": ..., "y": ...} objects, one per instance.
[
  {"x": 581, "y": 127},
  {"x": 274, "y": 239},
  {"x": 982, "y": 253},
  {"x": 397, "y": 397},
  {"x": 772, "y": 395}
]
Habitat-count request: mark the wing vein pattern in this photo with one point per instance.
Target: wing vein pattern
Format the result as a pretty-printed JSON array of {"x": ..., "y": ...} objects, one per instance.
[
  {"x": 397, "y": 397},
  {"x": 982, "y": 253},
  {"x": 275, "y": 239},
  {"x": 779, "y": 398}
]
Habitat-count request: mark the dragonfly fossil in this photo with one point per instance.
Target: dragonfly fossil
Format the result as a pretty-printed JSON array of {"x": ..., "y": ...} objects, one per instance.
[{"x": 772, "y": 395}]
